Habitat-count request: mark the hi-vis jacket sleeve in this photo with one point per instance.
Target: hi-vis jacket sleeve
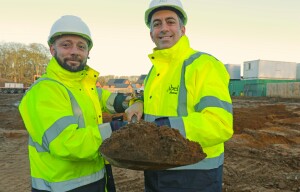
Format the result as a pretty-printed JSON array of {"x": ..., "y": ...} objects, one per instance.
[
  {"x": 111, "y": 102},
  {"x": 47, "y": 113},
  {"x": 210, "y": 117}
]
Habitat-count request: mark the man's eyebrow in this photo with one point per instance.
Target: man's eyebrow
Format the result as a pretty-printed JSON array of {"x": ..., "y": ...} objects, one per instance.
[
  {"x": 156, "y": 20},
  {"x": 168, "y": 18},
  {"x": 83, "y": 41},
  {"x": 64, "y": 40}
]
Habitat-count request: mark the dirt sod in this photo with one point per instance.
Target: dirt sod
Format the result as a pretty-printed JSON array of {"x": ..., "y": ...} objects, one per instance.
[{"x": 145, "y": 146}]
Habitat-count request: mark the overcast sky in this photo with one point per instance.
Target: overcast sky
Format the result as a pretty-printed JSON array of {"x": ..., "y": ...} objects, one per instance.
[{"x": 233, "y": 31}]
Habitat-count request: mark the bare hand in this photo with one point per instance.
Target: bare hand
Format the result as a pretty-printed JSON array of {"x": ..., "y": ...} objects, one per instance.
[{"x": 135, "y": 109}]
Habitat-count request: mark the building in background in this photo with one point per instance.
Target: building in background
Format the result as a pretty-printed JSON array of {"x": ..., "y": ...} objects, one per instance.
[
  {"x": 141, "y": 79},
  {"x": 118, "y": 86},
  {"x": 257, "y": 74},
  {"x": 275, "y": 70},
  {"x": 234, "y": 71},
  {"x": 235, "y": 85},
  {"x": 124, "y": 85}
]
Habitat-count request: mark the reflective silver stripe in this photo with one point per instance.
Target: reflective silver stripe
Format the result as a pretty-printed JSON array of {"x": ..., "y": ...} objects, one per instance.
[
  {"x": 51, "y": 133},
  {"x": 182, "y": 96},
  {"x": 41, "y": 184},
  {"x": 75, "y": 107},
  {"x": 207, "y": 163},
  {"x": 60, "y": 124},
  {"x": 150, "y": 118},
  {"x": 110, "y": 103},
  {"x": 179, "y": 125},
  {"x": 99, "y": 91},
  {"x": 210, "y": 101},
  {"x": 39, "y": 148},
  {"x": 176, "y": 122},
  {"x": 105, "y": 130}
]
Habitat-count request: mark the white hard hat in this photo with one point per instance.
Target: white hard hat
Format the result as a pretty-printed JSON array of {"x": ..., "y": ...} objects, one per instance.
[
  {"x": 69, "y": 24},
  {"x": 173, "y": 4}
]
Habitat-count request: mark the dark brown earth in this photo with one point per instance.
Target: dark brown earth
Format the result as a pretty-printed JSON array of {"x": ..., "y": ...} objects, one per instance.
[
  {"x": 145, "y": 146},
  {"x": 262, "y": 156}
]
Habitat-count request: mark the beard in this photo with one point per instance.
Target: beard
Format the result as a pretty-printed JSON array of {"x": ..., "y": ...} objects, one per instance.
[{"x": 72, "y": 68}]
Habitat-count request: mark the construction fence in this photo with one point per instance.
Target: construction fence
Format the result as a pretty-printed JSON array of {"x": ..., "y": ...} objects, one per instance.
[
  {"x": 265, "y": 88},
  {"x": 284, "y": 90}
]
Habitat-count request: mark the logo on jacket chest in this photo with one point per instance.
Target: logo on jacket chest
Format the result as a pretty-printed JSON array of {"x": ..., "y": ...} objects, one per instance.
[{"x": 173, "y": 89}]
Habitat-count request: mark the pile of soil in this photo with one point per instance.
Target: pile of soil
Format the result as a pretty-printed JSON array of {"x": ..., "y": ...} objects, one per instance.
[{"x": 145, "y": 146}]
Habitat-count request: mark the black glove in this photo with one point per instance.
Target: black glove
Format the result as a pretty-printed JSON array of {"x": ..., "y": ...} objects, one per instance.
[
  {"x": 117, "y": 124},
  {"x": 162, "y": 121}
]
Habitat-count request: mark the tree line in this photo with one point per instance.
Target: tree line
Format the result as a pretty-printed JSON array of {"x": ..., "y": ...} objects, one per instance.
[{"x": 21, "y": 63}]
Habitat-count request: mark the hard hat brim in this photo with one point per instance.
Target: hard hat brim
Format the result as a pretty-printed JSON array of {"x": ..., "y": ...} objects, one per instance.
[
  {"x": 152, "y": 9},
  {"x": 56, "y": 35}
]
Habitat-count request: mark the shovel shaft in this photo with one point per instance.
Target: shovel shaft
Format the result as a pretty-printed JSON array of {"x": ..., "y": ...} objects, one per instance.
[{"x": 134, "y": 119}]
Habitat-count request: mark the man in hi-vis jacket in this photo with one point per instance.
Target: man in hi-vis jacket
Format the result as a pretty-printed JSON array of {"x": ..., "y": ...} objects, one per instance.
[
  {"x": 62, "y": 112},
  {"x": 187, "y": 90}
]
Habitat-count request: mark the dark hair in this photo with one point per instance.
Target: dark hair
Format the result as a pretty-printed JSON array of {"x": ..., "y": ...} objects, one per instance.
[{"x": 179, "y": 14}]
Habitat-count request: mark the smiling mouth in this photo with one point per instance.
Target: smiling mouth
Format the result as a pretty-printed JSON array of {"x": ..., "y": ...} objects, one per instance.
[
  {"x": 165, "y": 37},
  {"x": 73, "y": 62}
]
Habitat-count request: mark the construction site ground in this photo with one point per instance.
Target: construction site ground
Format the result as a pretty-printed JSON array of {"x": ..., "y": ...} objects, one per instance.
[{"x": 263, "y": 154}]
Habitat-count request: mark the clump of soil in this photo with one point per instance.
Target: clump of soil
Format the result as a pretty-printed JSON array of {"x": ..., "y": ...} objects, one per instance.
[{"x": 145, "y": 146}]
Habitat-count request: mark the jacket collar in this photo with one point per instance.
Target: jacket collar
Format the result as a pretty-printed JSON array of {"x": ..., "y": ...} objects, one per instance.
[
  {"x": 55, "y": 71},
  {"x": 172, "y": 52}
]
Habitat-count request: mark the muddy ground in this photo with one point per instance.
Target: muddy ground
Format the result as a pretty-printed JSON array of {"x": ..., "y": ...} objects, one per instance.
[{"x": 263, "y": 154}]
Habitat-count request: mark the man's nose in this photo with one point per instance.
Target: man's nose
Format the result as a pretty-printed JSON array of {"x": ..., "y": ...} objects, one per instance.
[
  {"x": 74, "y": 50},
  {"x": 164, "y": 27}
]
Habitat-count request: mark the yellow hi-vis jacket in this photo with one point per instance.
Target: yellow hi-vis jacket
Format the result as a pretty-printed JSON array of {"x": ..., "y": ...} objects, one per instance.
[
  {"x": 191, "y": 88},
  {"x": 63, "y": 115}
]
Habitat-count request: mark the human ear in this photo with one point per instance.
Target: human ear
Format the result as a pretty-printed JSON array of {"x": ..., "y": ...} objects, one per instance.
[
  {"x": 182, "y": 30},
  {"x": 52, "y": 50},
  {"x": 151, "y": 36}
]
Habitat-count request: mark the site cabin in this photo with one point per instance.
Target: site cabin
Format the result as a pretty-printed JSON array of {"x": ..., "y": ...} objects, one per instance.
[
  {"x": 13, "y": 88},
  {"x": 264, "y": 69},
  {"x": 234, "y": 70}
]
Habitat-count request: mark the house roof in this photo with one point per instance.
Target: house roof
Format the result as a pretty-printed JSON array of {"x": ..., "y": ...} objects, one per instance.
[
  {"x": 116, "y": 81},
  {"x": 141, "y": 79},
  {"x": 122, "y": 85}
]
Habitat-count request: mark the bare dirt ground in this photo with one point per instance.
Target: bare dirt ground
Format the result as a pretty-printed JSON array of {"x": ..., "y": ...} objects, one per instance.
[{"x": 263, "y": 155}]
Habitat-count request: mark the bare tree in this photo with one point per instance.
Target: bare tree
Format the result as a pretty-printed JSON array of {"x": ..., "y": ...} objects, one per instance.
[{"x": 20, "y": 62}]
